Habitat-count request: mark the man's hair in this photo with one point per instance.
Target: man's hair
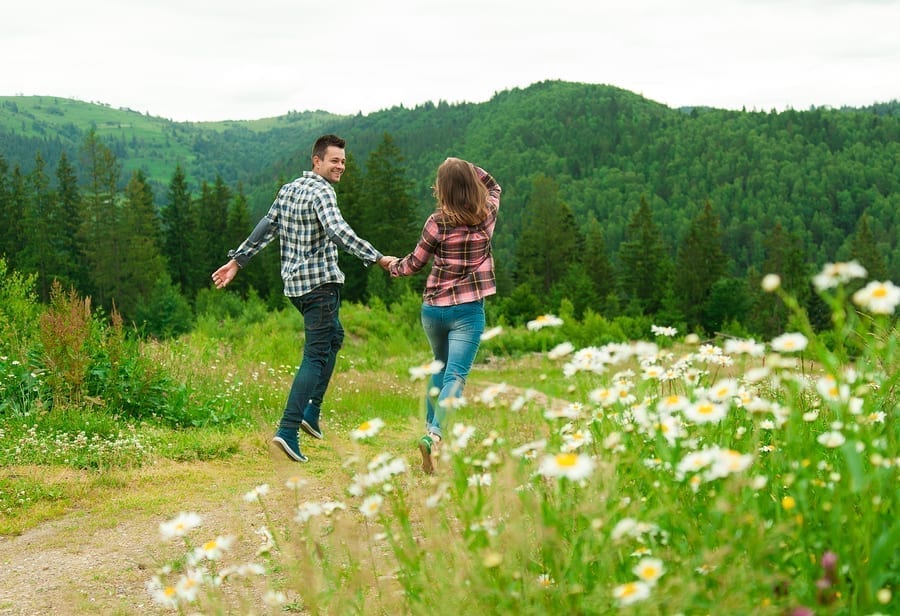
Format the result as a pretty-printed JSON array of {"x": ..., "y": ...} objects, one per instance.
[{"x": 323, "y": 142}]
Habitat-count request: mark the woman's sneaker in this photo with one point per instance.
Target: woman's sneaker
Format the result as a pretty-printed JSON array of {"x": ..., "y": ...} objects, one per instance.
[
  {"x": 428, "y": 445},
  {"x": 289, "y": 443}
]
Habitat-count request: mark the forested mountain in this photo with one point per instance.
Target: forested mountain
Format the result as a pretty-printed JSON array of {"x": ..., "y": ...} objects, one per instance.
[{"x": 610, "y": 199}]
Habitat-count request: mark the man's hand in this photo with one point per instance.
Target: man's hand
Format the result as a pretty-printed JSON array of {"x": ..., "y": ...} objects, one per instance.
[
  {"x": 225, "y": 274},
  {"x": 385, "y": 262}
]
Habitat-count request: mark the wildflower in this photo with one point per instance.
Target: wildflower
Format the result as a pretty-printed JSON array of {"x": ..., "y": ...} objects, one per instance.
[
  {"x": 490, "y": 393},
  {"x": 561, "y": 350},
  {"x": 189, "y": 585},
  {"x": 575, "y": 440},
  {"x": 491, "y": 333},
  {"x": 544, "y": 580},
  {"x": 307, "y": 510},
  {"x": 529, "y": 450},
  {"x": 771, "y": 282},
  {"x": 790, "y": 342},
  {"x": 788, "y": 503},
  {"x": 831, "y": 439},
  {"x": 604, "y": 396},
  {"x": 545, "y": 320},
  {"x": 745, "y": 347},
  {"x": 295, "y": 482},
  {"x": 723, "y": 390},
  {"x": 569, "y": 465},
  {"x": 212, "y": 549},
  {"x": 180, "y": 526},
  {"x": 372, "y": 505},
  {"x": 367, "y": 429},
  {"x": 519, "y": 403},
  {"x": 632, "y": 592},
  {"x": 417, "y": 373},
  {"x": 705, "y": 411},
  {"x": 666, "y": 331},
  {"x": 834, "y": 274},
  {"x": 671, "y": 404},
  {"x": 166, "y": 596},
  {"x": 572, "y": 410},
  {"x": 878, "y": 297},
  {"x": 649, "y": 570},
  {"x": 253, "y": 495},
  {"x": 478, "y": 480}
]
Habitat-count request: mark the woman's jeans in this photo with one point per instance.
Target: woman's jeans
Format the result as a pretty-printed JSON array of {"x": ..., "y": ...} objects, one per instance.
[
  {"x": 454, "y": 333},
  {"x": 324, "y": 336}
]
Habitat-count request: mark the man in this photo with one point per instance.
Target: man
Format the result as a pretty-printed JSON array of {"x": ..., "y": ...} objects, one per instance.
[{"x": 306, "y": 218}]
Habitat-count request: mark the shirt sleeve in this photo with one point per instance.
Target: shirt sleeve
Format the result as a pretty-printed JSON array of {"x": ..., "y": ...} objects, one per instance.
[
  {"x": 340, "y": 232},
  {"x": 492, "y": 186},
  {"x": 259, "y": 238},
  {"x": 419, "y": 257}
]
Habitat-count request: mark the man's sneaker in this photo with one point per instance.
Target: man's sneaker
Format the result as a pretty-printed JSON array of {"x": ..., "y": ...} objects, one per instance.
[
  {"x": 287, "y": 440},
  {"x": 311, "y": 427}
]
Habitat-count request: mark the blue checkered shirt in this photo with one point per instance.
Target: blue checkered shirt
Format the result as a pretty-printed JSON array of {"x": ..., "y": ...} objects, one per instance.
[{"x": 306, "y": 218}]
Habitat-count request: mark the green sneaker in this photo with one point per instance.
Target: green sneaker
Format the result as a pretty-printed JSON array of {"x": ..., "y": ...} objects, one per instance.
[{"x": 426, "y": 445}]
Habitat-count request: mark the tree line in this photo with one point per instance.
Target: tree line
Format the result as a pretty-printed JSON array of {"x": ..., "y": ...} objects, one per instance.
[{"x": 612, "y": 204}]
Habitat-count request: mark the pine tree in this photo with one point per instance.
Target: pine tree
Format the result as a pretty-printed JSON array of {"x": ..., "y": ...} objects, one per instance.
[
  {"x": 864, "y": 249},
  {"x": 178, "y": 228},
  {"x": 99, "y": 233},
  {"x": 699, "y": 264},
  {"x": 12, "y": 212},
  {"x": 6, "y": 211},
  {"x": 598, "y": 266},
  {"x": 37, "y": 252},
  {"x": 644, "y": 265},
  {"x": 550, "y": 240},
  {"x": 387, "y": 212},
  {"x": 352, "y": 203},
  {"x": 143, "y": 263},
  {"x": 72, "y": 271}
]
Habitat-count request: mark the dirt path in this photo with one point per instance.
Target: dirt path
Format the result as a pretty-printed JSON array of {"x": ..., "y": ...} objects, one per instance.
[{"x": 97, "y": 560}]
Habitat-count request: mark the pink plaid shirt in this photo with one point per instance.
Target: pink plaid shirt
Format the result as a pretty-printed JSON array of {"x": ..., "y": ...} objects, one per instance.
[{"x": 463, "y": 269}]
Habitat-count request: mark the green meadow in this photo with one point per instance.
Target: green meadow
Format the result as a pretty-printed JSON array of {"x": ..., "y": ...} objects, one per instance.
[{"x": 651, "y": 474}]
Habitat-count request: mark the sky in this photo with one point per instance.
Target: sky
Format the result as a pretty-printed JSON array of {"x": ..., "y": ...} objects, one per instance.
[{"x": 211, "y": 60}]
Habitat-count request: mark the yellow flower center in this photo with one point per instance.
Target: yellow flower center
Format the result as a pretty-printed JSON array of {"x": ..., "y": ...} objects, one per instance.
[
  {"x": 879, "y": 292},
  {"x": 705, "y": 409},
  {"x": 566, "y": 460},
  {"x": 364, "y": 425},
  {"x": 629, "y": 589},
  {"x": 209, "y": 545}
]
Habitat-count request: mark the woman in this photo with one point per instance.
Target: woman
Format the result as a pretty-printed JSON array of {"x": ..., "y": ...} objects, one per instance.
[{"x": 458, "y": 236}]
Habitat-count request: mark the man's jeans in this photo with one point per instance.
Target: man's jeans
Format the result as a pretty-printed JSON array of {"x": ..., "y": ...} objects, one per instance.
[
  {"x": 454, "y": 333},
  {"x": 323, "y": 338}
]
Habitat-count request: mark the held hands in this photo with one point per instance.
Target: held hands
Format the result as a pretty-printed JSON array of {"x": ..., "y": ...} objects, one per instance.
[
  {"x": 225, "y": 274},
  {"x": 386, "y": 261}
]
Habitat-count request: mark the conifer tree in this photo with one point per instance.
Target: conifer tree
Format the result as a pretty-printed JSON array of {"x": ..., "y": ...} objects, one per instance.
[
  {"x": 178, "y": 228},
  {"x": 598, "y": 266},
  {"x": 700, "y": 262},
  {"x": 550, "y": 240},
  {"x": 644, "y": 266},
  {"x": 12, "y": 211},
  {"x": 37, "y": 250},
  {"x": 352, "y": 202},
  {"x": 387, "y": 212},
  {"x": 99, "y": 232},
  {"x": 72, "y": 271},
  {"x": 143, "y": 263},
  {"x": 6, "y": 212},
  {"x": 864, "y": 249}
]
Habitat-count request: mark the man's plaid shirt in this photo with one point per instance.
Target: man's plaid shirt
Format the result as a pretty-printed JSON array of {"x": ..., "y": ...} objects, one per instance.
[
  {"x": 306, "y": 218},
  {"x": 463, "y": 269}
]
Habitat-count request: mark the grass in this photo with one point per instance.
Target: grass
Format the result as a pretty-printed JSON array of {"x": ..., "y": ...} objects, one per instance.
[{"x": 612, "y": 490}]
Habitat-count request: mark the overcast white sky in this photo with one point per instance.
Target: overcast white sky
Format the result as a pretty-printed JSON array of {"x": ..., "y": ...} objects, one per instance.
[{"x": 194, "y": 60}]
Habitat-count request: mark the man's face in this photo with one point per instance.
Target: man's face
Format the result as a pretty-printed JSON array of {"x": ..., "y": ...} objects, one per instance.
[{"x": 331, "y": 167}]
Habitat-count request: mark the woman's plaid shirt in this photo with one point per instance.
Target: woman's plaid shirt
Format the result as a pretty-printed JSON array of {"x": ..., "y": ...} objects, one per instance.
[
  {"x": 306, "y": 218},
  {"x": 463, "y": 269}
]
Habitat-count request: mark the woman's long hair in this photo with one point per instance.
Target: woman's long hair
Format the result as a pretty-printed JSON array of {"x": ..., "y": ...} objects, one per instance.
[{"x": 461, "y": 197}]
